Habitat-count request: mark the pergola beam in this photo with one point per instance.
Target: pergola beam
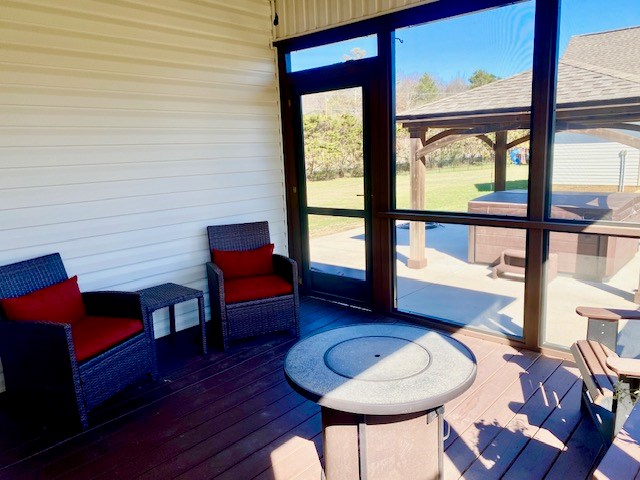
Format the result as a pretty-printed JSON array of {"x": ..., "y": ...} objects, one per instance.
[
  {"x": 518, "y": 141},
  {"x": 486, "y": 140},
  {"x": 438, "y": 144}
]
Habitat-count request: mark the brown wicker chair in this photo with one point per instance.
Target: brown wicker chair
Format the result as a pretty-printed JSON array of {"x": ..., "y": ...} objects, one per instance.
[
  {"x": 254, "y": 317},
  {"x": 40, "y": 357}
]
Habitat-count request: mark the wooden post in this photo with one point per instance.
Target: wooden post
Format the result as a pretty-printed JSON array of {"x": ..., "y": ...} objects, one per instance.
[
  {"x": 500, "y": 159},
  {"x": 417, "y": 257}
]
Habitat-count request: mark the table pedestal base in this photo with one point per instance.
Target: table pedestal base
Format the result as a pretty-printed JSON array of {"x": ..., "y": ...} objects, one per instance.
[{"x": 383, "y": 447}]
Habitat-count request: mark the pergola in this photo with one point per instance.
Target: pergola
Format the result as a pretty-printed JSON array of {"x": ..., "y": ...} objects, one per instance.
[{"x": 598, "y": 94}]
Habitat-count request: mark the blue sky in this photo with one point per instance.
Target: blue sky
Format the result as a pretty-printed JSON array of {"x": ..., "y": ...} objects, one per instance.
[{"x": 499, "y": 41}]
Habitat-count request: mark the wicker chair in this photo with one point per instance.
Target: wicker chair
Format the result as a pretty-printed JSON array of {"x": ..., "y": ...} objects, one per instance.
[
  {"x": 39, "y": 358},
  {"x": 255, "y": 317}
]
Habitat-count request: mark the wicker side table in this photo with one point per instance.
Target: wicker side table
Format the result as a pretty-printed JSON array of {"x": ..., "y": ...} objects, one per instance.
[{"x": 168, "y": 295}]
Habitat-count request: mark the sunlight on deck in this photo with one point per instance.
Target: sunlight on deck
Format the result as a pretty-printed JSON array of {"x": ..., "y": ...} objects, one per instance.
[{"x": 296, "y": 458}]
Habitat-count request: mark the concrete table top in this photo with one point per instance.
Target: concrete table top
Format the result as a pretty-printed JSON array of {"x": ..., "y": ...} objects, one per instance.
[{"x": 380, "y": 369}]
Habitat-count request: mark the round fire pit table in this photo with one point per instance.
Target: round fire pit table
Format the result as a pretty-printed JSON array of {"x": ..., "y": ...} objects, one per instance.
[{"x": 382, "y": 388}]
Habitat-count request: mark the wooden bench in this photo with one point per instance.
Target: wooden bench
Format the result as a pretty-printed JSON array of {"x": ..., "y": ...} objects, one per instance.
[
  {"x": 608, "y": 380},
  {"x": 513, "y": 261},
  {"x": 622, "y": 460}
]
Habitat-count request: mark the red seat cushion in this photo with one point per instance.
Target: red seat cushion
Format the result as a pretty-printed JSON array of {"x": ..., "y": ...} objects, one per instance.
[
  {"x": 60, "y": 303},
  {"x": 244, "y": 263},
  {"x": 94, "y": 335},
  {"x": 255, "y": 288}
]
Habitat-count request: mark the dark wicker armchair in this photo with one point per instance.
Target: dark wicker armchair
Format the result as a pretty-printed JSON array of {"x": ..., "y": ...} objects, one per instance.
[
  {"x": 40, "y": 357},
  {"x": 241, "y": 317}
]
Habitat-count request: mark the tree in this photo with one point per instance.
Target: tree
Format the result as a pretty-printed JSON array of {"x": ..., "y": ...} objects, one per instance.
[
  {"x": 426, "y": 89},
  {"x": 332, "y": 145},
  {"x": 456, "y": 85},
  {"x": 481, "y": 77}
]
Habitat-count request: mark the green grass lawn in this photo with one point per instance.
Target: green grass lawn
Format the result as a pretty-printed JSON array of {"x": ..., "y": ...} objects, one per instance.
[{"x": 447, "y": 190}]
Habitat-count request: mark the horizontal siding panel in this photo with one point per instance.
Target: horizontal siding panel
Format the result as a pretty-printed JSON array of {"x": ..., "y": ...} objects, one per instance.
[
  {"x": 65, "y": 155},
  {"x": 93, "y": 73},
  {"x": 258, "y": 100},
  {"x": 189, "y": 17},
  {"x": 93, "y": 192},
  {"x": 182, "y": 173},
  {"x": 75, "y": 117},
  {"x": 26, "y": 35},
  {"x": 20, "y": 74},
  {"x": 135, "y": 33},
  {"x": 127, "y": 127},
  {"x": 13, "y": 52},
  {"x": 53, "y": 136},
  {"x": 41, "y": 238},
  {"x": 256, "y": 186},
  {"x": 77, "y": 246}
]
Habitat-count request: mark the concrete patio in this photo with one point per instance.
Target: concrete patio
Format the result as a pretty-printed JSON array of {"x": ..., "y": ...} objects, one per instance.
[{"x": 462, "y": 293}]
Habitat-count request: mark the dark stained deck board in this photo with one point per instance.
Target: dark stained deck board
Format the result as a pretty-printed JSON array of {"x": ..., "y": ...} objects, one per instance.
[
  {"x": 244, "y": 378},
  {"x": 203, "y": 462},
  {"x": 163, "y": 414},
  {"x": 152, "y": 450},
  {"x": 232, "y": 416}
]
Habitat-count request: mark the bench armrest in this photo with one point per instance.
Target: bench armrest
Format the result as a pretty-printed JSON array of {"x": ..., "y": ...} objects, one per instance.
[
  {"x": 629, "y": 367},
  {"x": 608, "y": 314}
]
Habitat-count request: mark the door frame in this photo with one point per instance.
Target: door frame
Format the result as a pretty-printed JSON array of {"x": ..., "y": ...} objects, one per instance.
[{"x": 335, "y": 77}]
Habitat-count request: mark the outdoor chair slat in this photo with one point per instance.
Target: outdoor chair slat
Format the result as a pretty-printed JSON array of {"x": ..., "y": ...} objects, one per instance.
[{"x": 602, "y": 386}]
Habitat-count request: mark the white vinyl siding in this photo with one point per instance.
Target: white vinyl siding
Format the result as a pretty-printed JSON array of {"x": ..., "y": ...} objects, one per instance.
[
  {"x": 596, "y": 163},
  {"x": 128, "y": 127},
  {"x": 299, "y": 17}
]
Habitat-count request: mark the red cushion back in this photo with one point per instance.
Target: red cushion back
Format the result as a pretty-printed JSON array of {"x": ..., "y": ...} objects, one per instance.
[
  {"x": 244, "y": 263},
  {"x": 60, "y": 303}
]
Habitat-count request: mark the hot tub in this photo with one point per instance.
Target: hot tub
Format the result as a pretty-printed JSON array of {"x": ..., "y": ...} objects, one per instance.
[{"x": 586, "y": 255}]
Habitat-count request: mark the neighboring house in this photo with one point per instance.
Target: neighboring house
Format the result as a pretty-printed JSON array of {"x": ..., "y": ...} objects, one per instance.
[
  {"x": 585, "y": 162},
  {"x": 604, "y": 64}
]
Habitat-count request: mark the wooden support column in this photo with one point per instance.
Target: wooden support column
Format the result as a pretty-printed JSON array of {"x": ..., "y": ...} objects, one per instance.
[
  {"x": 500, "y": 159},
  {"x": 417, "y": 256}
]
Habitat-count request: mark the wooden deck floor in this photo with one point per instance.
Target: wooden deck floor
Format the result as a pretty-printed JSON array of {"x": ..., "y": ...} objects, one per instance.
[{"x": 233, "y": 416}]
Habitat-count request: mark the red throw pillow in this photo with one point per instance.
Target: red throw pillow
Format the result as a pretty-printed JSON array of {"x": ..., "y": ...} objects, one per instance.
[
  {"x": 60, "y": 303},
  {"x": 244, "y": 263}
]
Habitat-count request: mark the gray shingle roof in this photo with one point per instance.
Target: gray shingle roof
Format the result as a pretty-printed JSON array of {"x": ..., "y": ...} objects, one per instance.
[{"x": 595, "y": 67}]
